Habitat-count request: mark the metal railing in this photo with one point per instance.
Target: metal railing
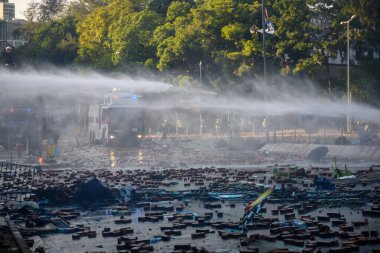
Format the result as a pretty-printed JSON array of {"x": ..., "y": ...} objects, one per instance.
[{"x": 16, "y": 181}]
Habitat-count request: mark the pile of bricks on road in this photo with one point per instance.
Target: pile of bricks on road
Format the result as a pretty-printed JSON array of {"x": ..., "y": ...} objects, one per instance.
[{"x": 329, "y": 230}]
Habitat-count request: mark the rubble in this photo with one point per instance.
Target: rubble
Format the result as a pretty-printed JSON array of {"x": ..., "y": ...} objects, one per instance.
[
  {"x": 317, "y": 154},
  {"x": 171, "y": 209}
]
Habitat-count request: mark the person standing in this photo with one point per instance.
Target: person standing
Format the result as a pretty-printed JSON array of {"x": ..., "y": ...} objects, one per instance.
[{"x": 19, "y": 148}]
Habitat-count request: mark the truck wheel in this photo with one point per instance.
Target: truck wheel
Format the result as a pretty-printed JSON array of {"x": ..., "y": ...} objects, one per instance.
[{"x": 104, "y": 139}]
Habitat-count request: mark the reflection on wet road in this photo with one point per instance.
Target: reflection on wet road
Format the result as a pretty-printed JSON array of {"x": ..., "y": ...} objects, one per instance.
[{"x": 163, "y": 166}]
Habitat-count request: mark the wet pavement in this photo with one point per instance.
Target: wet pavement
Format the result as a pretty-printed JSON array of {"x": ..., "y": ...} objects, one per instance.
[
  {"x": 213, "y": 242},
  {"x": 186, "y": 170}
]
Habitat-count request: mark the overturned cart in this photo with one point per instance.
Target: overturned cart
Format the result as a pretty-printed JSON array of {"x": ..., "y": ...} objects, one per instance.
[{"x": 16, "y": 181}]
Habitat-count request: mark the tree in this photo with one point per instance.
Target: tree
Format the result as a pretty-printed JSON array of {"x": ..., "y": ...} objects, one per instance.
[
  {"x": 176, "y": 35},
  {"x": 131, "y": 37},
  {"x": 178, "y": 9},
  {"x": 169, "y": 50},
  {"x": 54, "y": 41},
  {"x": 94, "y": 44},
  {"x": 45, "y": 10},
  {"x": 81, "y": 8},
  {"x": 365, "y": 35},
  {"x": 31, "y": 12},
  {"x": 213, "y": 31},
  {"x": 49, "y": 9},
  {"x": 314, "y": 37},
  {"x": 116, "y": 33},
  {"x": 159, "y": 6}
]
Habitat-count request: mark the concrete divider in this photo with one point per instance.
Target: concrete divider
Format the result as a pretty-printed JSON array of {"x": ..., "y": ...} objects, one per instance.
[
  {"x": 339, "y": 151},
  {"x": 23, "y": 248}
]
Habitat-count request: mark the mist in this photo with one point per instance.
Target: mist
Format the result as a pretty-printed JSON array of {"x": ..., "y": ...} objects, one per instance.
[
  {"x": 284, "y": 96},
  {"x": 69, "y": 84},
  {"x": 287, "y": 96}
]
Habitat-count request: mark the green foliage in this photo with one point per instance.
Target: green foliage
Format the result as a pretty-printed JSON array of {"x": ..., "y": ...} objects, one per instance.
[
  {"x": 81, "y": 8},
  {"x": 159, "y": 6},
  {"x": 365, "y": 33},
  {"x": 54, "y": 41},
  {"x": 45, "y": 10},
  {"x": 213, "y": 32},
  {"x": 337, "y": 173},
  {"x": 233, "y": 32},
  {"x": 185, "y": 81},
  {"x": 175, "y": 35},
  {"x": 308, "y": 34},
  {"x": 94, "y": 45},
  {"x": 178, "y": 9},
  {"x": 131, "y": 37}
]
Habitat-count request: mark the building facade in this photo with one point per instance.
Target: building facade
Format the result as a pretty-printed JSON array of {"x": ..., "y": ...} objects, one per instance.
[
  {"x": 7, "y": 10},
  {"x": 9, "y": 33}
]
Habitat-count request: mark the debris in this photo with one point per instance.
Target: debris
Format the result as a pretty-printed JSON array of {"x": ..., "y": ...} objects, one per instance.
[
  {"x": 93, "y": 191},
  {"x": 341, "y": 140},
  {"x": 317, "y": 154},
  {"x": 347, "y": 177},
  {"x": 322, "y": 183},
  {"x": 15, "y": 205}
]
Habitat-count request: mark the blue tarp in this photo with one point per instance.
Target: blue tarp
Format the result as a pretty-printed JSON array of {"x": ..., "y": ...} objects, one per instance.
[{"x": 323, "y": 183}]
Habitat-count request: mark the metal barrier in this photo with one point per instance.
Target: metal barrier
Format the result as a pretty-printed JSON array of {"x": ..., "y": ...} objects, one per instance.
[{"x": 16, "y": 181}]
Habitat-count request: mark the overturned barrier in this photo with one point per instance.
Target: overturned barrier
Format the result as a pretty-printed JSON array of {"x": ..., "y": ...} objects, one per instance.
[
  {"x": 16, "y": 181},
  {"x": 338, "y": 151}
]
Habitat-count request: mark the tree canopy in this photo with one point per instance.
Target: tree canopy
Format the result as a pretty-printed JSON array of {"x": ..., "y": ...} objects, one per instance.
[{"x": 223, "y": 35}]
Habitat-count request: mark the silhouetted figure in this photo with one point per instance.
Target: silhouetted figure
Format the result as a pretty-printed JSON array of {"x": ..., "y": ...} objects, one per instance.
[
  {"x": 9, "y": 58},
  {"x": 19, "y": 148}
]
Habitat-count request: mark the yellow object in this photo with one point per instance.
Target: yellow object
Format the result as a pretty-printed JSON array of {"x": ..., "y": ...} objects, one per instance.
[
  {"x": 259, "y": 199},
  {"x": 51, "y": 149}
]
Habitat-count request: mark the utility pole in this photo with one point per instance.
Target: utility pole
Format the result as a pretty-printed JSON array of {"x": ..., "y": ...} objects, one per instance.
[
  {"x": 348, "y": 73},
  {"x": 264, "y": 44},
  {"x": 253, "y": 30},
  {"x": 265, "y": 67}
]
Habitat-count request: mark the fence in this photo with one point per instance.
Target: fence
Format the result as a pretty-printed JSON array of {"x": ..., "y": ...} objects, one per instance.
[{"x": 16, "y": 181}]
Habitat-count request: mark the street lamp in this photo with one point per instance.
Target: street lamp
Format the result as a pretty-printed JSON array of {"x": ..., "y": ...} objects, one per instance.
[
  {"x": 200, "y": 72},
  {"x": 252, "y": 29},
  {"x": 348, "y": 72},
  {"x": 264, "y": 45},
  {"x": 265, "y": 65}
]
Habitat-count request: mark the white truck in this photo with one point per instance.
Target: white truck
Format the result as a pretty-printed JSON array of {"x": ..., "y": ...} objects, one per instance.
[{"x": 119, "y": 120}]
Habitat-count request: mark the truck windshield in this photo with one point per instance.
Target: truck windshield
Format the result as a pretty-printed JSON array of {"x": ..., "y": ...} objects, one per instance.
[
  {"x": 17, "y": 116},
  {"x": 122, "y": 118}
]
